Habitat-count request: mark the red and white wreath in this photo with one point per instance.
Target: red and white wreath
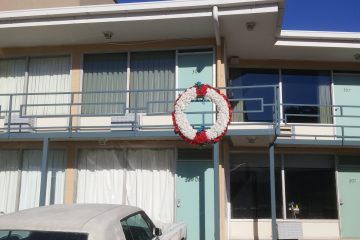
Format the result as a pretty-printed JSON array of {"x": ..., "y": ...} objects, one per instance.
[{"x": 202, "y": 136}]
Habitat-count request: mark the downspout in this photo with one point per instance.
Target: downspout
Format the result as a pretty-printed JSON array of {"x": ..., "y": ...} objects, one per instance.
[
  {"x": 215, "y": 15},
  {"x": 216, "y": 149}
]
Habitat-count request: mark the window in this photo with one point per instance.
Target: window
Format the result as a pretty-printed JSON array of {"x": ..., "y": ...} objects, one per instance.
[
  {"x": 137, "y": 177},
  {"x": 249, "y": 108},
  {"x": 104, "y": 72},
  {"x": 138, "y": 227},
  {"x": 250, "y": 187},
  {"x": 35, "y": 75},
  {"x": 310, "y": 187},
  {"x": 21, "y": 173},
  {"x": 302, "y": 89},
  {"x": 152, "y": 71},
  {"x": 41, "y": 235}
]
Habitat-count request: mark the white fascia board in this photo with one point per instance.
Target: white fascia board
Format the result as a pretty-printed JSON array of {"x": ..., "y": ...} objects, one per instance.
[
  {"x": 105, "y": 20},
  {"x": 323, "y": 35},
  {"x": 264, "y": 9},
  {"x": 137, "y": 16},
  {"x": 319, "y": 44},
  {"x": 322, "y": 39},
  {"x": 128, "y": 8}
]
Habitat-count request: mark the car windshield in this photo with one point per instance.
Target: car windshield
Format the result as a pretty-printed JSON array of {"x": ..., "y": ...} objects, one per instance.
[{"x": 40, "y": 235}]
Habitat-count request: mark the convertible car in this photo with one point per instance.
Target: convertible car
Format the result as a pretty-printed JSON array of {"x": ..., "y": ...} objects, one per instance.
[{"x": 85, "y": 222}]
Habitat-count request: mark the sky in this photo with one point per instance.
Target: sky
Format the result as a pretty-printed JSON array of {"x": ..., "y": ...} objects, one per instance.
[
  {"x": 322, "y": 15},
  {"x": 316, "y": 15}
]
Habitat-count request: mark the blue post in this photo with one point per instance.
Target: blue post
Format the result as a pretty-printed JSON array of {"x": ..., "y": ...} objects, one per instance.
[
  {"x": 44, "y": 166},
  {"x": 216, "y": 191},
  {"x": 272, "y": 192}
]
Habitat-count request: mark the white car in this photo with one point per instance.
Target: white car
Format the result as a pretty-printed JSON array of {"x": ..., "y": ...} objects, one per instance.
[{"x": 85, "y": 222}]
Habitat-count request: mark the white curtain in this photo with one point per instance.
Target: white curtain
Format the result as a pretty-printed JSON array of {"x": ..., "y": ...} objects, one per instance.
[
  {"x": 101, "y": 176},
  {"x": 50, "y": 74},
  {"x": 12, "y": 80},
  {"x": 150, "y": 182},
  {"x": 144, "y": 178},
  {"x": 325, "y": 102},
  {"x": 31, "y": 178},
  {"x": 9, "y": 176}
]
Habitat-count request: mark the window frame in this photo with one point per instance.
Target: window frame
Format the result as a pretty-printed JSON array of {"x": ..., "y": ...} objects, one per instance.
[
  {"x": 283, "y": 184},
  {"x": 145, "y": 218}
]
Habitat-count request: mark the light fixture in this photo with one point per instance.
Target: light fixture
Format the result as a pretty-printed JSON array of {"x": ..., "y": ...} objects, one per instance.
[
  {"x": 357, "y": 56},
  {"x": 234, "y": 60},
  {"x": 108, "y": 35},
  {"x": 251, "y": 139},
  {"x": 250, "y": 26}
]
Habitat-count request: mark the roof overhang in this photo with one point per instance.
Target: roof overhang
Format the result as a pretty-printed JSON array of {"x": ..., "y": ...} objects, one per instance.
[
  {"x": 128, "y": 22},
  {"x": 188, "y": 19}
]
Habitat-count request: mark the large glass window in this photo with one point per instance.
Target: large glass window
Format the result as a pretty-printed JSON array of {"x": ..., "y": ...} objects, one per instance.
[
  {"x": 250, "y": 187},
  {"x": 104, "y": 72},
  {"x": 306, "y": 95},
  {"x": 153, "y": 76},
  {"x": 310, "y": 187},
  {"x": 249, "y": 106},
  {"x": 20, "y": 174}
]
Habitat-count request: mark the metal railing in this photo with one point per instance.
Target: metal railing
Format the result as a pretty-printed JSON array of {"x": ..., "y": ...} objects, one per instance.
[{"x": 150, "y": 110}]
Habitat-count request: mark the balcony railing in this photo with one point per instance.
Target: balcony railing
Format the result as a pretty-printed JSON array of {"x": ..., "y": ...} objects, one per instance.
[{"x": 150, "y": 110}]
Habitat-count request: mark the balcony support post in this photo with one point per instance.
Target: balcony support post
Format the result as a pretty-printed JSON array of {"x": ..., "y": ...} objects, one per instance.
[
  {"x": 44, "y": 167},
  {"x": 216, "y": 152},
  {"x": 272, "y": 192}
]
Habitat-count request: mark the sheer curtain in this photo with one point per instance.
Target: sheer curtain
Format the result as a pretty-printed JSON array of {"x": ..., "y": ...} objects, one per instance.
[
  {"x": 104, "y": 72},
  {"x": 101, "y": 175},
  {"x": 151, "y": 71},
  {"x": 9, "y": 180},
  {"x": 144, "y": 178},
  {"x": 150, "y": 182},
  {"x": 12, "y": 80},
  {"x": 325, "y": 100},
  {"x": 49, "y": 74},
  {"x": 31, "y": 178}
]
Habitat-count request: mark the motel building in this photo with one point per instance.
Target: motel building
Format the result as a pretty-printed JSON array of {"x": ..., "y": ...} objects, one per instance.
[{"x": 87, "y": 89}]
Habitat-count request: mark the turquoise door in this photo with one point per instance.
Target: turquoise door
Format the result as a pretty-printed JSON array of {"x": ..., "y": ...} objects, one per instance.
[
  {"x": 193, "y": 68},
  {"x": 195, "y": 198},
  {"x": 349, "y": 193},
  {"x": 347, "y": 92}
]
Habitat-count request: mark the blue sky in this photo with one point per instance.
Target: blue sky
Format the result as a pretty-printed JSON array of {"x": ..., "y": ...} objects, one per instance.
[
  {"x": 317, "y": 15},
  {"x": 322, "y": 15}
]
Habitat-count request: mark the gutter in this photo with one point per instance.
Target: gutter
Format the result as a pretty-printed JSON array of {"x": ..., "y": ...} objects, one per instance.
[{"x": 215, "y": 15}]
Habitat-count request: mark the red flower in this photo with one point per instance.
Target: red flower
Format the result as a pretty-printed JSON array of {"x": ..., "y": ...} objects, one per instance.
[
  {"x": 201, "y": 90},
  {"x": 201, "y": 138}
]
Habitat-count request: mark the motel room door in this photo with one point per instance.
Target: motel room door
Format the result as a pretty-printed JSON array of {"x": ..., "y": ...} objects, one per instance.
[
  {"x": 349, "y": 195},
  {"x": 346, "y": 89},
  {"x": 195, "y": 198},
  {"x": 196, "y": 67}
]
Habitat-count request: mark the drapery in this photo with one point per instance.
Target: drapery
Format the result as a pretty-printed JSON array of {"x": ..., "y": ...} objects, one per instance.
[
  {"x": 152, "y": 71},
  {"x": 49, "y": 74},
  {"x": 9, "y": 180},
  {"x": 150, "y": 182},
  {"x": 101, "y": 176},
  {"x": 31, "y": 178},
  {"x": 12, "y": 80},
  {"x": 104, "y": 72},
  {"x": 138, "y": 177},
  {"x": 325, "y": 102}
]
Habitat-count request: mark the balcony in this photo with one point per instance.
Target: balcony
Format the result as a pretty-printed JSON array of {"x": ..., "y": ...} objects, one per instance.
[{"x": 147, "y": 113}]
